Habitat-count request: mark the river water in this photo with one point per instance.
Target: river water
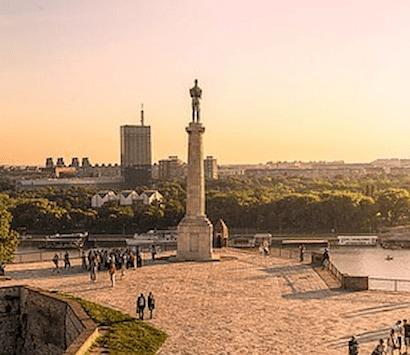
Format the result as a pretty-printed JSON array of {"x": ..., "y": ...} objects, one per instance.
[{"x": 371, "y": 261}]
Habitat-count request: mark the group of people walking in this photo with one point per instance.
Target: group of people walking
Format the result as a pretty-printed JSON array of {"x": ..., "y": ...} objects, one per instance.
[
  {"x": 112, "y": 260},
  {"x": 397, "y": 342},
  {"x": 56, "y": 261},
  {"x": 142, "y": 303}
]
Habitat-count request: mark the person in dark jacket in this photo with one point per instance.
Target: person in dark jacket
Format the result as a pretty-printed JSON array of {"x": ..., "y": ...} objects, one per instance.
[
  {"x": 301, "y": 252},
  {"x": 56, "y": 260},
  {"x": 151, "y": 304},
  {"x": 325, "y": 258},
  {"x": 379, "y": 350},
  {"x": 353, "y": 346},
  {"x": 67, "y": 263},
  {"x": 406, "y": 327},
  {"x": 153, "y": 252},
  {"x": 141, "y": 306},
  {"x": 139, "y": 260}
]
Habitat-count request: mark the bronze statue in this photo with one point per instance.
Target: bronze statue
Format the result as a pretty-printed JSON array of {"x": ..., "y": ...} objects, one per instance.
[{"x": 196, "y": 94}]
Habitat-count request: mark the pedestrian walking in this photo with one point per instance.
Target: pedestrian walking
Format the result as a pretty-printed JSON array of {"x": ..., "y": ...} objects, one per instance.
[
  {"x": 325, "y": 258},
  {"x": 93, "y": 270},
  {"x": 391, "y": 343},
  {"x": 56, "y": 260},
  {"x": 353, "y": 346},
  {"x": 67, "y": 263},
  {"x": 123, "y": 261},
  {"x": 399, "y": 331},
  {"x": 406, "y": 327},
  {"x": 133, "y": 261},
  {"x": 301, "y": 253},
  {"x": 379, "y": 350},
  {"x": 83, "y": 260},
  {"x": 98, "y": 261},
  {"x": 151, "y": 304},
  {"x": 112, "y": 272},
  {"x": 153, "y": 252},
  {"x": 141, "y": 306}
]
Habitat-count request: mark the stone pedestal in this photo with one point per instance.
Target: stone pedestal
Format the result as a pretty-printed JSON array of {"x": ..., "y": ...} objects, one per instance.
[
  {"x": 195, "y": 239},
  {"x": 195, "y": 230}
]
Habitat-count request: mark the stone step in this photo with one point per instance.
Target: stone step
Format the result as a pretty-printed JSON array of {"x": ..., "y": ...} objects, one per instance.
[{"x": 329, "y": 279}]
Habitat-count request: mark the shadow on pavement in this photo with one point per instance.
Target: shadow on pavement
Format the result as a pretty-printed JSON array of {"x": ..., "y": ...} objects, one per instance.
[
  {"x": 315, "y": 294},
  {"x": 288, "y": 269},
  {"x": 366, "y": 337},
  {"x": 377, "y": 309}
]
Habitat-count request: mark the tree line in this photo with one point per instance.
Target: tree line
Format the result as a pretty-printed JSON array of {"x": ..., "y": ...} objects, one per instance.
[{"x": 271, "y": 204}]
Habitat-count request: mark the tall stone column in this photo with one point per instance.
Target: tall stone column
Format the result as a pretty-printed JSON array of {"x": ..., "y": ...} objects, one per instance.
[
  {"x": 195, "y": 230},
  {"x": 195, "y": 180}
]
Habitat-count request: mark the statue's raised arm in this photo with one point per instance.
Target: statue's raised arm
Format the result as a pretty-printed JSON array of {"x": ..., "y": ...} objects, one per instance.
[{"x": 196, "y": 94}]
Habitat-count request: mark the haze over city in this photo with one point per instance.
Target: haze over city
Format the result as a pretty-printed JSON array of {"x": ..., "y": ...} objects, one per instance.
[{"x": 317, "y": 80}]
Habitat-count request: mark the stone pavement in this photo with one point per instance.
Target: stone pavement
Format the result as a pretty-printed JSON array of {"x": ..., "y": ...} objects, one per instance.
[{"x": 244, "y": 304}]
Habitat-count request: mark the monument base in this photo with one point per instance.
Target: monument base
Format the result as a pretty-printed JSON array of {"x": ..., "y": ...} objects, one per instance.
[{"x": 194, "y": 241}]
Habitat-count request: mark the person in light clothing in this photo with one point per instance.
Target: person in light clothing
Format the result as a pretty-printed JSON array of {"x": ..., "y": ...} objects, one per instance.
[
  {"x": 399, "y": 331},
  {"x": 112, "y": 270},
  {"x": 391, "y": 343}
]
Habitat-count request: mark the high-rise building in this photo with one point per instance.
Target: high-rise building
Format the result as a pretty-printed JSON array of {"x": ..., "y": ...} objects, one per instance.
[
  {"x": 171, "y": 168},
  {"x": 210, "y": 168},
  {"x": 60, "y": 162},
  {"x": 85, "y": 162},
  {"x": 75, "y": 163},
  {"x": 136, "y": 153},
  {"x": 49, "y": 163}
]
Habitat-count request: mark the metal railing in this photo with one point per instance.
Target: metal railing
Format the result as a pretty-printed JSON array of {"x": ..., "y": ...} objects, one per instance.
[
  {"x": 386, "y": 284},
  {"x": 43, "y": 255},
  {"x": 290, "y": 253},
  {"x": 47, "y": 254},
  {"x": 335, "y": 271}
]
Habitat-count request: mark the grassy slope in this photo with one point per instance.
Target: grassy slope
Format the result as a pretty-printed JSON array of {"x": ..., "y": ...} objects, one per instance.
[{"x": 127, "y": 335}]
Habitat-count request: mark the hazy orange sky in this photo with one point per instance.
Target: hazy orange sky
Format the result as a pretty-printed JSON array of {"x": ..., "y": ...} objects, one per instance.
[{"x": 281, "y": 80}]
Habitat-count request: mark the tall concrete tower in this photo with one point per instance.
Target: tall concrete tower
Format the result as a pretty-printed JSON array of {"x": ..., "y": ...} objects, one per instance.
[
  {"x": 195, "y": 230},
  {"x": 136, "y": 153}
]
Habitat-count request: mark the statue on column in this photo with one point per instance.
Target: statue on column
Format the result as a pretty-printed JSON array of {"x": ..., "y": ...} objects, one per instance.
[{"x": 196, "y": 93}]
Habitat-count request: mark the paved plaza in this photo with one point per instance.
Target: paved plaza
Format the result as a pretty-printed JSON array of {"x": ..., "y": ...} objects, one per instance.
[{"x": 244, "y": 304}]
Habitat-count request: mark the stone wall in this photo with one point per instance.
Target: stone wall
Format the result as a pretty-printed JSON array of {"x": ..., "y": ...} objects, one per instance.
[
  {"x": 355, "y": 283},
  {"x": 9, "y": 319},
  {"x": 37, "y": 322},
  {"x": 348, "y": 282}
]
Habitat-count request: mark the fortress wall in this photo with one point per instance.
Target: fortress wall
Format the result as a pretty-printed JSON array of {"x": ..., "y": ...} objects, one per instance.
[
  {"x": 33, "y": 321},
  {"x": 9, "y": 318}
]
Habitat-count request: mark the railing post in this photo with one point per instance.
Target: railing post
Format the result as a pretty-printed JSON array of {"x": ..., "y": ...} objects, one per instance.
[{"x": 395, "y": 285}]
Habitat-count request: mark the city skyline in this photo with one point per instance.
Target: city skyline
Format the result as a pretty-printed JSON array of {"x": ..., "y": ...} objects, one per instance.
[{"x": 281, "y": 82}]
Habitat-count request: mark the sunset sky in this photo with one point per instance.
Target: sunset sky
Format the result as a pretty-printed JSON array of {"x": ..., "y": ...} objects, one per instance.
[{"x": 281, "y": 80}]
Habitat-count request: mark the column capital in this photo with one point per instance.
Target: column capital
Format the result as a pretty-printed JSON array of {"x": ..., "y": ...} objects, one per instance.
[{"x": 195, "y": 127}]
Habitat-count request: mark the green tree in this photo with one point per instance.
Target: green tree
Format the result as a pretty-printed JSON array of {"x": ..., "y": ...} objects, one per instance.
[
  {"x": 39, "y": 215},
  {"x": 8, "y": 237},
  {"x": 394, "y": 206}
]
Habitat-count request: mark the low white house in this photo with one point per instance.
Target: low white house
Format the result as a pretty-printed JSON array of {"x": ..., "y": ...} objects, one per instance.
[
  {"x": 126, "y": 197},
  {"x": 150, "y": 196},
  {"x": 102, "y": 197}
]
